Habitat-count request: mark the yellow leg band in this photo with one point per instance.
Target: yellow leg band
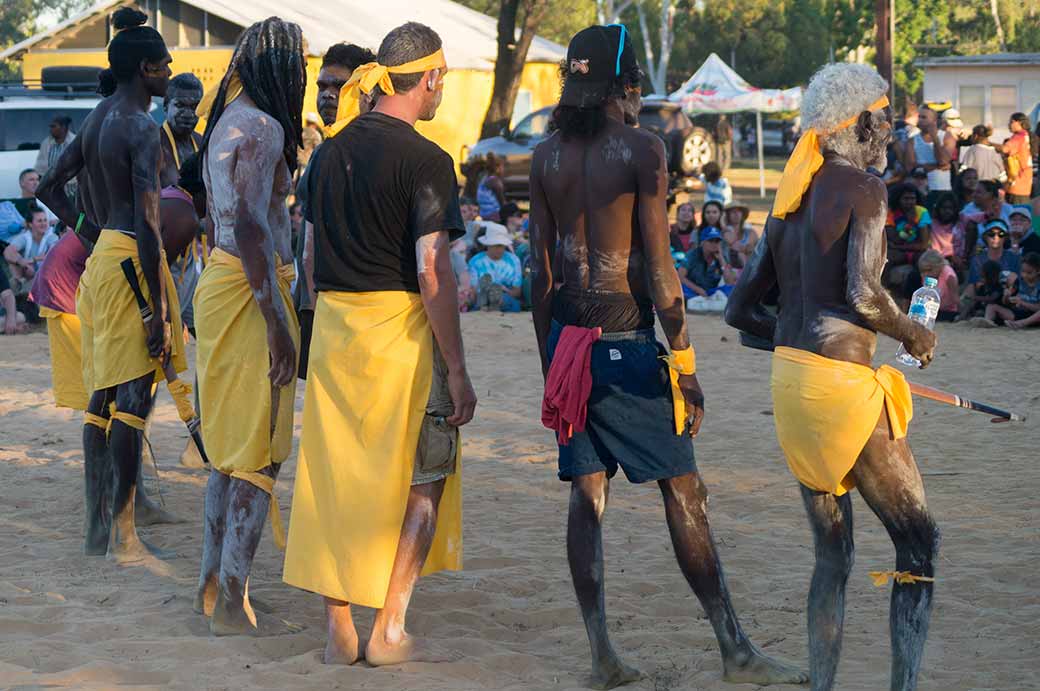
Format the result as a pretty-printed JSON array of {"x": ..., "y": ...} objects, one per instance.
[
  {"x": 181, "y": 392},
  {"x": 266, "y": 483},
  {"x": 881, "y": 578},
  {"x": 126, "y": 418},
  {"x": 95, "y": 420}
]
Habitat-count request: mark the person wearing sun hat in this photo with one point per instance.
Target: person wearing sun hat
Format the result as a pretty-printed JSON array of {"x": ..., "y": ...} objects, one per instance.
[{"x": 496, "y": 272}]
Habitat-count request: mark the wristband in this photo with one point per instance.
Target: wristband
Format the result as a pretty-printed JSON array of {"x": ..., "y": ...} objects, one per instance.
[
  {"x": 79, "y": 222},
  {"x": 682, "y": 361}
]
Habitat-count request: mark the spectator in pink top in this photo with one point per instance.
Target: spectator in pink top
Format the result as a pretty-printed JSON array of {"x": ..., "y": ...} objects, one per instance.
[
  {"x": 933, "y": 265},
  {"x": 943, "y": 222}
]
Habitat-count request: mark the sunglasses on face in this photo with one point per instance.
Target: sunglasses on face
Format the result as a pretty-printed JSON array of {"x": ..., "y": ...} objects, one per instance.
[{"x": 995, "y": 234}]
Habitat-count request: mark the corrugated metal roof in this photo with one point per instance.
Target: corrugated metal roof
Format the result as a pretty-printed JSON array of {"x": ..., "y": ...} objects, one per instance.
[
  {"x": 470, "y": 38},
  {"x": 993, "y": 59}
]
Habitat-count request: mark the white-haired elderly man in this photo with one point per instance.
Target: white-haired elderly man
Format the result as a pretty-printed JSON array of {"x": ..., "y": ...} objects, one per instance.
[{"x": 840, "y": 423}]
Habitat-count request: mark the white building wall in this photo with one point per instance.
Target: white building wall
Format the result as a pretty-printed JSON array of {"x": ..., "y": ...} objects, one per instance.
[{"x": 961, "y": 84}]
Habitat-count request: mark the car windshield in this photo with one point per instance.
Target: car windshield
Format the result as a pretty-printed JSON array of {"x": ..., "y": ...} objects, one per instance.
[
  {"x": 534, "y": 125},
  {"x": 23, "y": 129}
]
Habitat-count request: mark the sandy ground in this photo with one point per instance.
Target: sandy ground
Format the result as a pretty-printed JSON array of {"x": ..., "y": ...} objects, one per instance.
[{"x": 71, "y": 621}]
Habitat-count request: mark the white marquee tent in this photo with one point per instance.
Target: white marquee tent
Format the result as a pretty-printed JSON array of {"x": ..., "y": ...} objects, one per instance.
[{"x": 716, "y": 88}]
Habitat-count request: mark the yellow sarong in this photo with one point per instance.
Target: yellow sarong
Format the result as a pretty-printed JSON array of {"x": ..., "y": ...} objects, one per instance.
[
  {"x": 115, "y": 342},
  {"x": 232, "y": 363},
  {"x": 826, "y": 410},
  {"x": 64, "y": 334},
  {"x": 371, "y": 363}
]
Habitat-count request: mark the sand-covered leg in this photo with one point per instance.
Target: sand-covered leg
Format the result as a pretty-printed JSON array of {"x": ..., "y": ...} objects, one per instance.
[
  {"x": 888, "y": 478},
  {"x": 125, "y": 546},
  {"x": 585, "y": 555},
  {"x": 212, "y": 541},
  {"x": 342, "y": 647},
  {"x": 97, "y": 471},
  {"x": 831, "y": 520},
  {"x": 685, "y": 501},
  {"x": 390, "y": 644},
  {"x": 247, "y": 508}
]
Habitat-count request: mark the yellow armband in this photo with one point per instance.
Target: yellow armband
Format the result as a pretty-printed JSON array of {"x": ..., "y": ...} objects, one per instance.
[{"x": 680, "y": 362}]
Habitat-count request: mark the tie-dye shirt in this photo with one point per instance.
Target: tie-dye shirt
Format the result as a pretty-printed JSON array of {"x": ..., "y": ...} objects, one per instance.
[{"x": 505, "y": 272}]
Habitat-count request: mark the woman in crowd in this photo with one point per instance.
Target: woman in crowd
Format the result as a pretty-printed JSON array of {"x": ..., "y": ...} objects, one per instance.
[
  {"x": 684, "y": 231},
  {"x": 739, "y": 234},
  {"x": 983, "y": 156},
  {"x": 491, "y": 193},
  {"x": 964, "y": 187},
  {"x": 711, "y": 217}
]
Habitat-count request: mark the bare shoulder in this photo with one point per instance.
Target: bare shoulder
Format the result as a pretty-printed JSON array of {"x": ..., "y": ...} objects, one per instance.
[
  {"x": 648, "y": 147},
  {"x": 250, "y": 129},
  {"x": 141, "y": 131}
]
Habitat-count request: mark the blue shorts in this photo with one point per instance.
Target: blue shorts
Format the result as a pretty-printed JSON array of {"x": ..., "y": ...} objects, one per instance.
[{"x": 630, "y": 420}]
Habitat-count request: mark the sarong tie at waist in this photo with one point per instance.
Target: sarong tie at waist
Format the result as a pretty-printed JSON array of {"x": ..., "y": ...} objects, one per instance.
[
  {"x": 285, "y": 272},
  {"x": 266, "y": 483},
  {"x": 826, "y": 410}
]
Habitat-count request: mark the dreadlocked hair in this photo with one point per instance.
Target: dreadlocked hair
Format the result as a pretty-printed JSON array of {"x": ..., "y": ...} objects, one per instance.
[
  {"x": 270, "y": 64},
  {"x": 133, "y": 43},
  {"x": 584, "y": 123}
]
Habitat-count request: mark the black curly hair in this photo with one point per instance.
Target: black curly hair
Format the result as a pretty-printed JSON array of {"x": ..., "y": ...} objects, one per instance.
[{"x": 133, "y": 43}]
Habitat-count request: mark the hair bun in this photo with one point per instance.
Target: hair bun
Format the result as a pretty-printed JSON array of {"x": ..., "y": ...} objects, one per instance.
[{"x": 128, "y": 18}]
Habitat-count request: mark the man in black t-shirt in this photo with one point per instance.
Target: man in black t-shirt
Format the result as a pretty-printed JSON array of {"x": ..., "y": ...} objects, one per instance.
[{"x": 378, "y": 492}]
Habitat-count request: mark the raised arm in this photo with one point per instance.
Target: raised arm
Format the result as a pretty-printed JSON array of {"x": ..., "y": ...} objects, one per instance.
[
  {"x": 866, "y": 258},
  {"x": 441, "y": 301},
  {"x": 52, "y": 191},
  {"x": 543, "y": 245},
  {"x": 744, "y": 310},
  {"x": 145, "y": 157},
  {"x": 259, "y": 155}
]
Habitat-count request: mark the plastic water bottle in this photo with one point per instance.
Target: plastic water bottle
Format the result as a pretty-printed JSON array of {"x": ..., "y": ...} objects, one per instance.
[{"x": 924, "y": 308}]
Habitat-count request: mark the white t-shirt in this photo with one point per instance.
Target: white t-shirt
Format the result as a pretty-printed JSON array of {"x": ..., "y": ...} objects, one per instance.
[{"x": 938, "y": 180}]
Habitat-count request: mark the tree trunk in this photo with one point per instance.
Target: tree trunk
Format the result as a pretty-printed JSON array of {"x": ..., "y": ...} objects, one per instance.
[
  {"x": 607, "y": 12},
  {"x": 995, "y": 10},
  {"x": 509, "y": 65},
  {"x": 657, "y": 69}
]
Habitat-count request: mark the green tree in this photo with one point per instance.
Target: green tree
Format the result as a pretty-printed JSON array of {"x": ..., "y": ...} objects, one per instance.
[{"x": 19, "y": 20}]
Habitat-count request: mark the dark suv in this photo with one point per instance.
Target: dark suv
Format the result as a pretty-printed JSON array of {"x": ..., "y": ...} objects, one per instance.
[{"x": 689, "y": 148}]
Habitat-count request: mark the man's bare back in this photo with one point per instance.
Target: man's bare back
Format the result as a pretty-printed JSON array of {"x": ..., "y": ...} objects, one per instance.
[
  {"x": 237, "y": 173},
  {"x": 592, "y": 188}
]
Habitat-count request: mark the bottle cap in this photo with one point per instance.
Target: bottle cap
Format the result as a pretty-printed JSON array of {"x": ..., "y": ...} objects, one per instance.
[{"x": 931, "y": 282}]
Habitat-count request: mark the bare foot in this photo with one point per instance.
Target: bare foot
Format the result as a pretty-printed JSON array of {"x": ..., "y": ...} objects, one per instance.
[
  {"x": 247, "y": 622},
  {"x": 612, "y": 674},
  {"x": 149, "y": 513},
  {"x": 762, "y": 670},
  {"x": 380, "y": 653},
  {"x": 342, "y": 649},
  {"x": 135, "y": 551}
]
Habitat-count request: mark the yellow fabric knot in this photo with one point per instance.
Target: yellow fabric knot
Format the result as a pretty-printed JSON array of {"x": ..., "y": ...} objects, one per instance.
[
  {"x": 95, "y": 420},
  {"x": 234, "y": 90},
  {"x": 805, "y": 160},
  {"x": 181, "y": 392},
  {"x": 680, "y": 362},
  {"x": 266, "y": 483},
  {"x": 881, "y": 578},
  {"x": 369, "y": 76}
]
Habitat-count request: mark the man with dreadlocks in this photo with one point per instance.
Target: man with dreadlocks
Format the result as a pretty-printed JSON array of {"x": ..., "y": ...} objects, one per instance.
[
  {"x": 370, "y": 514},
  {"x": 244, "y": 320},
  {"x": 118, "y": 149},
  {"x": 840, "y": 423},
  {"x": 598, "y": 189}
]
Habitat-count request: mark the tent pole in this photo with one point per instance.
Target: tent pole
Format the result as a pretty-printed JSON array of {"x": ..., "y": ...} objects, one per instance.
[{"x": 761, "y": 157}]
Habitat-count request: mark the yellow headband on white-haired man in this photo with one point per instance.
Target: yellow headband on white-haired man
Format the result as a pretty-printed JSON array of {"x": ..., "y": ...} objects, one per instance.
[
  {"x": 367, "y": 77},
  {"x": 805, "y": 160}
]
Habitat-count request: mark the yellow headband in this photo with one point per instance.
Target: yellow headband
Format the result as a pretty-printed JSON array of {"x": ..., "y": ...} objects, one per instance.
[
  {"x": 367, "y": 77},
  {"x": 805, "y": 160}
]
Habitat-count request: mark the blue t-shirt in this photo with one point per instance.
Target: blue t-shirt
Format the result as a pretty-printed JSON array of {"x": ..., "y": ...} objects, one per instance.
[
  {"x": 1009, "y": 261},
  {"x": 1029, "y": 293},
  {"x": 505, "y": 272}
]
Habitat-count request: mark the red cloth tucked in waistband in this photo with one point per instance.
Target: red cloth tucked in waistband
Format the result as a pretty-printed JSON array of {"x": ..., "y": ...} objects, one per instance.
[{"x": 567, "y": 388}]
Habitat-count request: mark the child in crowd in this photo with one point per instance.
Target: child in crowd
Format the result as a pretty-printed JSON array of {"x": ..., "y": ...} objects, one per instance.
[
  {"x": 934, "y": 265},
  {"x": 984, "y": 292},
  {"x": 1019, "y": 305},
  {"x": 716, "y": 187},
  {"x": 908, "y": 227}
]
